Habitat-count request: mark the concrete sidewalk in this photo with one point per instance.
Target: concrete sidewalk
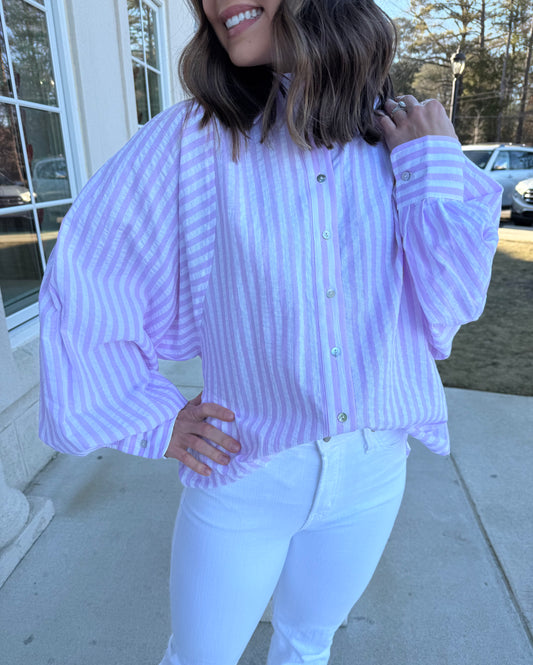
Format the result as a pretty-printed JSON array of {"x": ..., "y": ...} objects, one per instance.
[{"x": 454, "y": 587}]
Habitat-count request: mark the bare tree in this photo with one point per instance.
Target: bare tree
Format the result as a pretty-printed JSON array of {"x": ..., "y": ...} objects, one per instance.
[{"x": 525, "y": 87}]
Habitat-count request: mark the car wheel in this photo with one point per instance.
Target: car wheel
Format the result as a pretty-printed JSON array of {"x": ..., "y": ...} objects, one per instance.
[{"x": 520, "y": 220}]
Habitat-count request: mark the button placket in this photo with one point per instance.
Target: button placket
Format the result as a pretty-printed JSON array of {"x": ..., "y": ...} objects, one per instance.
[{"x": 336, "y": 369}]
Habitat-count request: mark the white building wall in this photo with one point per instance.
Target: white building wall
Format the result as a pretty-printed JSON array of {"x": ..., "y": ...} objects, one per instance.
[
  {"x": 99, "y": 43},
  {"x": 93, "y": 37}
]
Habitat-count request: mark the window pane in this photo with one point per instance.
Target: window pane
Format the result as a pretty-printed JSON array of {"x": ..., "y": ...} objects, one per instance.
[
  {"x": 150, "y": 36},
  {"x": 20, "y": 262},
  {"x": 155, "y": 92},
  {"x": 501, "y": 163},
  {"x": 30, "y": 52},
  {"x": 136, "y": 35},
  {"x": 479, "y": 157},
  {"x": 140, "y": 94},
  {"x": 522, "y": 160},
  {"x": 50, "y": 220},
  {"x": 6, "y": 89},
  {"x": 44, "y": 143},
  {"x": 13, "y": 181}
]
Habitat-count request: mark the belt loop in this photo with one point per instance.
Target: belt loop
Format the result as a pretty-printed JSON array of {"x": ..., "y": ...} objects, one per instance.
[{"x": 365, "y": 440}]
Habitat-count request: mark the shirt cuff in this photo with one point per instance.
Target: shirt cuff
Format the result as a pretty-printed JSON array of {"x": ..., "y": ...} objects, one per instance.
[
  {"x": 151, "y": 445},
  {"x": 428, "y": 167},
  {"x": 154, "y": 443}
]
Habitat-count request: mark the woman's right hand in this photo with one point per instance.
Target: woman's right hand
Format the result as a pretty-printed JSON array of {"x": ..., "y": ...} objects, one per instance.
[{"x": 191, "y": 431}]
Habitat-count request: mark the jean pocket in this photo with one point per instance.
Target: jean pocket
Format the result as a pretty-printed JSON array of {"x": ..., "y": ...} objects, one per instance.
[{"x": 385, "y": 439}]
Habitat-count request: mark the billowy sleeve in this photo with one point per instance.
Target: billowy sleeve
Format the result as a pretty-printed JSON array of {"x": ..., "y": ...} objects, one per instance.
[
  {"x": 448, "y": 217},
  {"x": 112, "y": 303}
]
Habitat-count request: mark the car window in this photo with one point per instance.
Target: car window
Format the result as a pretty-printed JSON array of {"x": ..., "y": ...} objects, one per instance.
[
  {"x": 522, "y": 159},
  {"x": 4, "y": 180},
  {"x": 51, "y": 170},
  {"x": 502, "y": 161},
  {"x": 479, "y": 157}
]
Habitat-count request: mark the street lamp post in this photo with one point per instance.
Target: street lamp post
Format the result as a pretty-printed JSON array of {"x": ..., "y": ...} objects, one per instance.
[{"x": 458, "y": 61}]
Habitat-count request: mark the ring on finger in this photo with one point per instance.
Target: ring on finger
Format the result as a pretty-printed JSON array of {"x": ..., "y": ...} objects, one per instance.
[{"x": 399, "y": 106}]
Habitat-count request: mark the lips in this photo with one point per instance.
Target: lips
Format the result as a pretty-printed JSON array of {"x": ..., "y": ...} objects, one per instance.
[
  {"x": 248, "y": 15},
  {"x": 234, "y": 11}
]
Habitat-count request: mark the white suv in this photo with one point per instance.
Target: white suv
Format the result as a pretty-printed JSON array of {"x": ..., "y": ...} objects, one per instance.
[
  {"x": 522, "y": 206},
  {"x": 507, "y": 163}
]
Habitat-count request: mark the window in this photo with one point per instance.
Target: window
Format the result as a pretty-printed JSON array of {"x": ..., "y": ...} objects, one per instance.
[
  {"x": 36, "y": 187},
  {"x": 145, "y": 37},
  {"x": 479, "y": 157},
  {"x": 522, "y": 159},
  {"x": 501, "y": 163}
]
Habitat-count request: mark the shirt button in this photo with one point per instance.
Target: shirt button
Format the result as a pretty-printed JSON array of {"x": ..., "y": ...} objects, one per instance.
[
  {"x": 326, "y": 439},
  {"x": 342, "y": 417},
  {"x": 321, "y": 177},
  {"x": 326, "y": 235},
  {"x": 335, "y": 351},
  {"x": 406, "y": 175},
  {"x": 331, "y": 293},
  {"x": 144, "y": 443}
]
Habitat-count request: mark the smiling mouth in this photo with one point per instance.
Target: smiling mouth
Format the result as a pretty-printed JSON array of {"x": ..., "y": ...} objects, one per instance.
[{"x": 247, "y": 15}]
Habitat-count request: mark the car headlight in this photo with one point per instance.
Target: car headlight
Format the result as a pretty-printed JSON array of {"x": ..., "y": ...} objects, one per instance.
[{"x": 26, "y": 197}]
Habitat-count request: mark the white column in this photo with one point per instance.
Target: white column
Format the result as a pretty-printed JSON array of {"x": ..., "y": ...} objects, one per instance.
[
  {"x": 22, "y": 520},
  {"x": 14, "y": 511}
]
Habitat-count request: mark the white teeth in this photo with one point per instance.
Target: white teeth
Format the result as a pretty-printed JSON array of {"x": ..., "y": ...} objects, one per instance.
[{"x": 242, "y": 16}]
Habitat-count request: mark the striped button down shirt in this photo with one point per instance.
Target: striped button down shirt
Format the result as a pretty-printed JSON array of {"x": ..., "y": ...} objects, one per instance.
[{"x": 318, "y": 287}]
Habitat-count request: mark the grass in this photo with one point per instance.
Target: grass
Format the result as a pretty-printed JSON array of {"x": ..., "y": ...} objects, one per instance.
[{"x": 495, "y": 353}]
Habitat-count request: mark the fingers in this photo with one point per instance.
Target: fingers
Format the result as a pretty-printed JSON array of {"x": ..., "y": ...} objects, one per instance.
[
  {"x": 409, "y": 100},
  {"x": 399, "y": 108},
  {"x": 196, "y": 401},
  {"x": 404, "y": 119},
  {"x": 402, "y": 105},
  {"x": 192, "y": 421},
  {"x": 385, "y": 121},
  {"x": 185, "y": 457},
  {"x": 192, "y": 432},
  {"x": 211, "y": 410},
  {"x": 212, "y": 433}
]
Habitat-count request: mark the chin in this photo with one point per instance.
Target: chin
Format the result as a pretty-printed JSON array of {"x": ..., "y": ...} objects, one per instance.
[
  {"x": 247, "y": 62},
  {"x": 245, "y": 57}
]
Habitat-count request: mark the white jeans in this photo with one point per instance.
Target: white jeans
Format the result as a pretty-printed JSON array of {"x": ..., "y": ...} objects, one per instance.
[{"x": 309, "y": 527}]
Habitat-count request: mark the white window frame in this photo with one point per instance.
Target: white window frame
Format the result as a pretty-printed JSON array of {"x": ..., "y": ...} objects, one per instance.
[
  {"x": 25, "y": 322},
  {"x": 161, "y": 31}
]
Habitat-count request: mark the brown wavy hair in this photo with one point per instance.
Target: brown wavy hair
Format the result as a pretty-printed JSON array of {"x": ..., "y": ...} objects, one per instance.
[{"x": 339, "y": 54}]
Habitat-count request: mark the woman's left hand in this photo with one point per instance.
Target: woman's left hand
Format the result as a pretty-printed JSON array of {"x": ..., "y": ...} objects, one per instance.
[{"x": 405, "y": 119}]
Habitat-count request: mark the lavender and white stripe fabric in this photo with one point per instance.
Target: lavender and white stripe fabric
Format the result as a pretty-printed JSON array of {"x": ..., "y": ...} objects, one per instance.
[{"x": 317, "y": 286}]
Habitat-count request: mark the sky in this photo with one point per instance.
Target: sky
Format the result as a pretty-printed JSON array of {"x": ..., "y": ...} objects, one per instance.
[{"x": 393, "y": 8}]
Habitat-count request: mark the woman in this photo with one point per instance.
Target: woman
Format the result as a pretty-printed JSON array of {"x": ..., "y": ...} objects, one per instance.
[{"x": 318, "y": 244}]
